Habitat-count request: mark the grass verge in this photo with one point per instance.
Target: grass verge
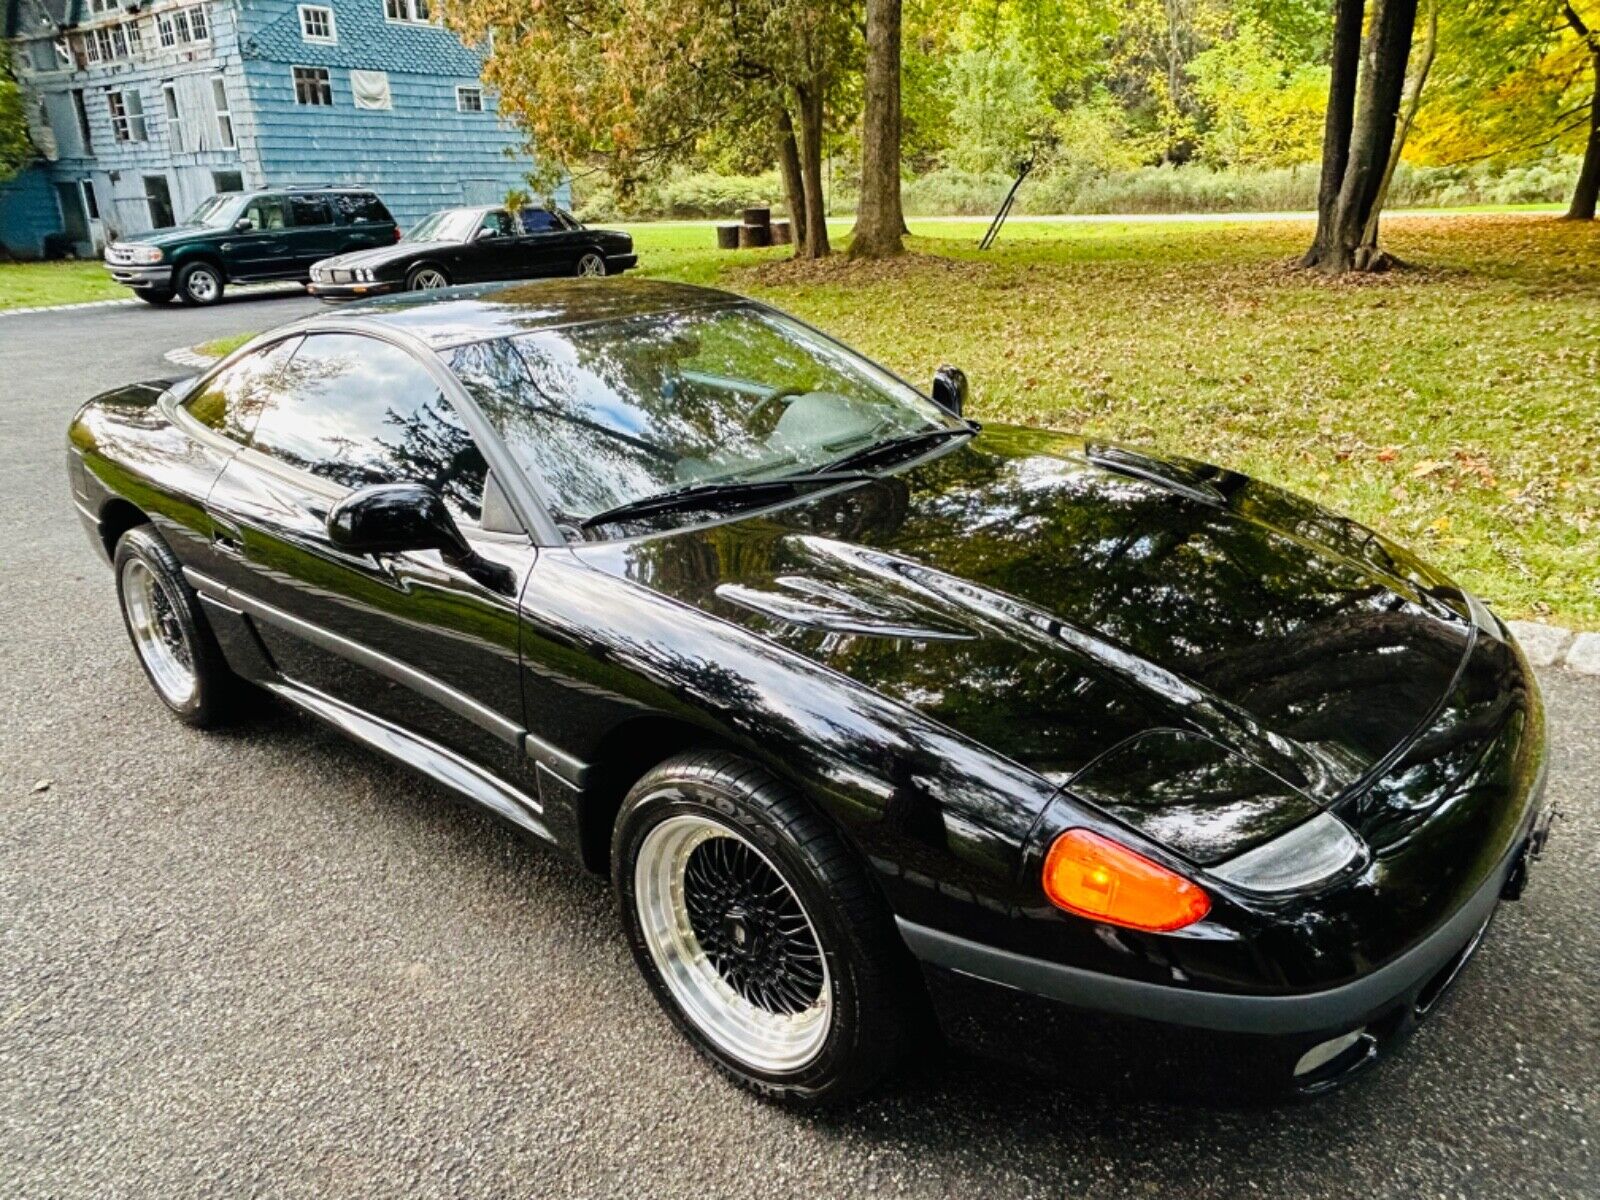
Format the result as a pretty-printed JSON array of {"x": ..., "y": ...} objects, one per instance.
[{"x": 24, "y": 285}]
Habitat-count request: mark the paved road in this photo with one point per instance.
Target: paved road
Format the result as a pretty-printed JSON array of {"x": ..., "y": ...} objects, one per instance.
[{"x": 266, "y": 962}]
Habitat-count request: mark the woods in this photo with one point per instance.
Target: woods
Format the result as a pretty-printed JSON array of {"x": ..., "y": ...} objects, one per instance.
[{"x": 620, "y": 95}]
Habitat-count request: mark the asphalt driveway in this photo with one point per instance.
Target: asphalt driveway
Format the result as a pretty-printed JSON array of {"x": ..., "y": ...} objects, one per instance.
[{"x": 267, "y": 962}]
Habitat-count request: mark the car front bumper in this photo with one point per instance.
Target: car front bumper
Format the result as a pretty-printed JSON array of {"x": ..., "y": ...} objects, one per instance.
[
  {"x": 158, "y": 275},
  {"x": 1148, "y": 1037},
  {"x": 339, "y": 292}
]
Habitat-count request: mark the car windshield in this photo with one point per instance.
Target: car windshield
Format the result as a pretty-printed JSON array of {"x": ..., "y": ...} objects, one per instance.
[
  {"x": 611, "y": 412},
  {"x": 216, "y": 212},
  {"x": 447, "y": 225}
]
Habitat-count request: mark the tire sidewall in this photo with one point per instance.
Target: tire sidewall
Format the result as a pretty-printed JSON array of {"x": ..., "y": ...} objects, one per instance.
[
  {"x": 683, "y": 796},
  {"x": 585, "y": 257},
  {"x": 411, "y": 275},
  {"x": 144, "y": 544}
]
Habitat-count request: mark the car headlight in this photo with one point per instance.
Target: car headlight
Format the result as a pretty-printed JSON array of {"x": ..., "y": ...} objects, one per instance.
[
  {"x": 1309, "y": 855},
  {"x": 146, "y": 254},
  {"x": 364, "y": 275}
]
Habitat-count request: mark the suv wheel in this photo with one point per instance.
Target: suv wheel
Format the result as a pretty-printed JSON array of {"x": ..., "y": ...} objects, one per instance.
[{"x": 200, "y": 283}]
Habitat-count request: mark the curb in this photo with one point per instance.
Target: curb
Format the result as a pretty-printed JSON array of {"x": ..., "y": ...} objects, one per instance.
[
  {"x": 188, "y": 356},
  {"x": 238, "y": 289}
]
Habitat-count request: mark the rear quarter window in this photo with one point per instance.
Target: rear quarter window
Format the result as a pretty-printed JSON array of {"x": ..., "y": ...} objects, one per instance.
[{"x": 360, "y": 208}]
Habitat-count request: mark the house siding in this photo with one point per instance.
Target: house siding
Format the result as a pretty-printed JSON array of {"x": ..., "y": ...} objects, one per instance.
[
  {"x": 28, "y": 213},
  {"x": 421, "y": 154}
]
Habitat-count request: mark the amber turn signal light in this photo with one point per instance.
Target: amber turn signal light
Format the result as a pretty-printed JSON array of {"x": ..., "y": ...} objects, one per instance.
[{"x": 1095, "y": 877}]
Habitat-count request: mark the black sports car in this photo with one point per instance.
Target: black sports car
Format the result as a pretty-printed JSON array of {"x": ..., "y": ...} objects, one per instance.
[
  {"x": 867, "y": 711},
  {"x": 475, "y": 245}
]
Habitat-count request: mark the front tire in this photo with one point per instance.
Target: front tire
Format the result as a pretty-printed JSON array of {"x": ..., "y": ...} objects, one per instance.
[
  {"x": 591, "y": 265},
  {"x": 157, "y": 296},
  {"x": 426, "y": 278},
  {"x": 759, "y": 930},
  {"x": 200, "y": 284},
  {"x": 170, "y": 634}
]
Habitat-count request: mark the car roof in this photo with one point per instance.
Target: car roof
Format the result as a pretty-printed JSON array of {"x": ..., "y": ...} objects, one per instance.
[{"x": 480, "y": 312}]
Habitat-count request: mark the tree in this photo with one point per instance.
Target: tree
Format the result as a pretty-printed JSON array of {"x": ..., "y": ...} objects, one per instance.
[
  {"x": 1364, "y": 90},
  {"x": 633, "y": 86},
  {"x": 1587, "y": 191},
  {"x": 879, "y": 217},
  {"x": 16, "y": 147}
]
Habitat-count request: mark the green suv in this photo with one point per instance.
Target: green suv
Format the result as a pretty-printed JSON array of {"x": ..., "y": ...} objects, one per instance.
[{"x": 240, "y": 237}]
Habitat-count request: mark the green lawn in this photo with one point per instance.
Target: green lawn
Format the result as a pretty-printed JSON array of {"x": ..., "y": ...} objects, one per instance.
[
  {"x": 23, "y": 285},
  {"x": 1455, "y": 406}
]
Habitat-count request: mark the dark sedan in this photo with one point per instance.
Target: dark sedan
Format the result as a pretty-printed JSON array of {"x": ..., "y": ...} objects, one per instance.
[
  {"x": 1116, "y": 763},
  {"x": 476, "y": 245}
]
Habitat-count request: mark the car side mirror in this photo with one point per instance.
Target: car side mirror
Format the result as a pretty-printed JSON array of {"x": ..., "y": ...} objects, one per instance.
[
  {"x": 950, "y": 389},
  {"x": 485, "y": 234},
  {"x": 390, "y": 518},
  {"x": 242, "y": 225}
]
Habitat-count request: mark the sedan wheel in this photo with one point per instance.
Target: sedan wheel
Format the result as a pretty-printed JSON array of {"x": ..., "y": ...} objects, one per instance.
[
  {"x": 760, "y": 931},
  {"x": 591, "y": 266},
  {"x": 426, "y": 279}
]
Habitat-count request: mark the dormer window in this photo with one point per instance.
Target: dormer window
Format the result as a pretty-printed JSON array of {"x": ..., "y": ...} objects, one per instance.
[
  {"x": 411, "y": 12},
  {"x": 182, "y": 27},
  {"x": 316, "y": 24}
]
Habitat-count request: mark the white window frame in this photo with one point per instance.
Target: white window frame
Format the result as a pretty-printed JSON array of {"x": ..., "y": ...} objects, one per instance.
[
  {"x": 180, "y": 27},
  {"x": 101, "y": 7},
  {"x": 310, "y": 11},
  {"x": 406, "y": 12},
  {"x": 462, "y": 89},
  {"x": 174, "y": 113},
  {"x": 91, "y": 199},
  {"x": 128, "y": 122},
  {"x": 223, "y": 109},
  {"x": 294, "y": 84}
]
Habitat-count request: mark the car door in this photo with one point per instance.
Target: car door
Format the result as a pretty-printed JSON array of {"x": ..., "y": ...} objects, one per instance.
[
  {"x": 409, "y": 638},
  {"x": 553, "y": 248},
  {"x": 495, "y": 251},
  {"x": 259, "y": 249},
  {"x": 312, "y": 234}
]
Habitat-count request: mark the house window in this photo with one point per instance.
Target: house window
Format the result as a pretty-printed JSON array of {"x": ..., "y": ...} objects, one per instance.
[
  {"x": 159, "y": 197},
  {"x": 63, "y": 53},
  {"x": 91, "y": 202},
  {"x": 127, "y": 115},
  {"x": 169, "y": 96},
  {"x": 82, "y": 109},
  {"x": 182, "y": 27},
  {"x": 96, "y": 7},
  {"x": 370, "y": 89},
  {"x": 469, "y": 99},
  {"x": 219, "y": 104},
  {"x": 316, "y": 24},
  {"x": 413, "y": 11},
  {"x": 311, "y": 86},
  {"x": 227, "y": 181}
]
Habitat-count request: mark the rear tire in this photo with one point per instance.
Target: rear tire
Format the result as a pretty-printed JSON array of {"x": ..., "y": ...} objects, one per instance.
[
  {"x": 200, "y": 284},
  {"x": 170, "y": 634},
  {"x": 760, "y": 931},
  {"x": 155, "y": 296}
]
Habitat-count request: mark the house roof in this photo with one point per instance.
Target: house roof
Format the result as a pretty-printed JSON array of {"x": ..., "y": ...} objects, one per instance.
[
  {"x": 366, "y": 42},
  {"x": 36, "y": 18}
]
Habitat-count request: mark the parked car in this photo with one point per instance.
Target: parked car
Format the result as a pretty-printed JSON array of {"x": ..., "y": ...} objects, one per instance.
[
  {"x": 249, "y": 237},
  {"x": 1111, "y": 761},
  {"x": 475, "y": 245}
]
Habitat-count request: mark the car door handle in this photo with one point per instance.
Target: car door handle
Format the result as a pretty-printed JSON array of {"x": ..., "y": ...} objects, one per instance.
[{"x": 226, "y": 539}]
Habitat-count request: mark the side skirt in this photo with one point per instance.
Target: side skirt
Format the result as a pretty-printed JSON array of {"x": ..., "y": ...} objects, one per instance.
[{"x": 431, "y": 759}]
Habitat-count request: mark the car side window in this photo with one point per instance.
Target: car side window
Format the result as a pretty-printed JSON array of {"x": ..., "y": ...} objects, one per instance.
[
  {"x": 360, "y": 208},
  {"x": 498, "y": 223},
  {"x": 266, "y": 212},
  {"x": 359, "y": 411},
  {"x": 309, "y": 210},
  {"x": 232, "y": 400},
  {"x": 539, "y": 220}
]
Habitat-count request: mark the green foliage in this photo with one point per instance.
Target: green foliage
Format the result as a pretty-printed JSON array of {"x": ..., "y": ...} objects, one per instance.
[
  {"x": 997, "y": 110},
  {"x": 16, "y": 147},
  {"x": 1261, "y": 110}
]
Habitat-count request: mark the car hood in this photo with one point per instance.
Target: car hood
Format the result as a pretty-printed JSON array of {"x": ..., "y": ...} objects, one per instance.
[
  {"x": 170, "y": 235},
  {"x": 1199, "y": 654},
  {"x": 381, "y": 256}
]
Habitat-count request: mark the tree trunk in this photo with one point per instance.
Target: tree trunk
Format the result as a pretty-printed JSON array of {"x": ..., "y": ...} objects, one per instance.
[
  {"x": 878, "y": 215},
  {"x": 809, "y": 104},
  {"x": 1587, "y": 192},
  {"x": 1408, "y": 116},
  {"x": 1377, "y": 110},
  {"x": 793, "y": 189},
  {"x": 1341, "y": 117}
]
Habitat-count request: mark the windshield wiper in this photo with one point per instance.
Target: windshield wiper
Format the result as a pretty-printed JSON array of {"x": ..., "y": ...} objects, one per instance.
[
  {"x": 704, "y": 496},
  {"x": 890, "y": 449}
]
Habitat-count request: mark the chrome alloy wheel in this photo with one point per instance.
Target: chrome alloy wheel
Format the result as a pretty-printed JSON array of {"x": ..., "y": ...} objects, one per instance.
[
  {"x": 157, "y": 632},
  {"x": 203, "y": 285},
  {"x": 427, "y": 279},
  {"x": 733, "y": 943},
  {"x": 591, "y": 266}
]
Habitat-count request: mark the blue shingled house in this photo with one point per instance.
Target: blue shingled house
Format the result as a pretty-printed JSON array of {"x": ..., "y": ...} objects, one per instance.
[{"x": 142, "y": 108}]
